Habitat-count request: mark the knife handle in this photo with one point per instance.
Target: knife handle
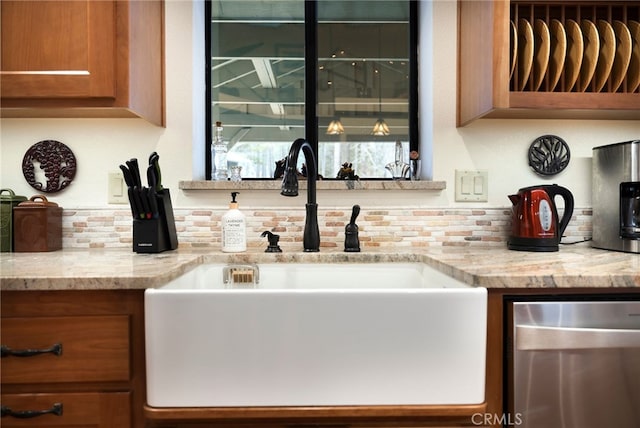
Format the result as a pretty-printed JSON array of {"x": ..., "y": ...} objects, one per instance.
[
  {"x": 146, "y": 203},
  {"x": 128, "y": 179},
  {"x": 137, "y": 201},
  {"x": 154, "y": 160},
  {"x": 135, "y": 172},
  {"x": 131, "y": 204},
  {"x": 153, "y": 203},
  {"x": 151, "y": 177}
]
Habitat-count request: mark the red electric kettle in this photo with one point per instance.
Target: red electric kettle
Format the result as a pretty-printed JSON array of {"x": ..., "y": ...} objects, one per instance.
[{"x": 534, "y": 218}]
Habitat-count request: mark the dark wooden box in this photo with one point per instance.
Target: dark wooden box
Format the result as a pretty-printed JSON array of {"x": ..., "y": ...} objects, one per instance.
[{"x": 37, "y": 226}]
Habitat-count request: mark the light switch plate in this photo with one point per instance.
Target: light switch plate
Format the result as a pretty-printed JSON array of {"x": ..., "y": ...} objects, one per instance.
[
  {"x": 472, "y": 185},
  {"x": 117, "y": 193}
]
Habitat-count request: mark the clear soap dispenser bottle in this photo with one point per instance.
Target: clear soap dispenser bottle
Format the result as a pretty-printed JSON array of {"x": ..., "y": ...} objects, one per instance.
[
  {"x": 219, "y": 149},
  {"x": 234, "y": 230}
]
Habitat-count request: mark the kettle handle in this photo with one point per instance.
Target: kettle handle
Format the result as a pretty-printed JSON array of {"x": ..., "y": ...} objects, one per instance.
[{"x": 555, "y": 190}]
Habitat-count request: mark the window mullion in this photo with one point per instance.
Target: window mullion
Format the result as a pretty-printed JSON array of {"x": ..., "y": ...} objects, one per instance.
[
  {"x": 208, "y": 133},
  {"x": 311, "y": 74},
  {"x": 414, "y": 134}
]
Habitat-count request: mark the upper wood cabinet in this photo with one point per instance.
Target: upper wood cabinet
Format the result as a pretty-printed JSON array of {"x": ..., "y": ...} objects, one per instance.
[
  {"x": 489, "y": 85},
  {"x": 82, "y": 58}
]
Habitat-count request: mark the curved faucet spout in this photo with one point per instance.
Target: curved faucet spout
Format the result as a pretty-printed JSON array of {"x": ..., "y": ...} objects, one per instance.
[
  {"x": 311, "y": 238},
  {"x": 290, "y": 179}
]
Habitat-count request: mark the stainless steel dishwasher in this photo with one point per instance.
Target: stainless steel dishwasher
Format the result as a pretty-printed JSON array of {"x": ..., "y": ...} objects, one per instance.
[{"x": 573, "y": 364}]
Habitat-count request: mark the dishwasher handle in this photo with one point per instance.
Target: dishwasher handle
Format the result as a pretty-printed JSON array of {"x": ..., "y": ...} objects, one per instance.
[{"x": 539, "y": 338}]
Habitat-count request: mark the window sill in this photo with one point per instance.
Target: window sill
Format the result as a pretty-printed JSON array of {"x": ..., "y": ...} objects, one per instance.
[{"x": 321, "y": 185}]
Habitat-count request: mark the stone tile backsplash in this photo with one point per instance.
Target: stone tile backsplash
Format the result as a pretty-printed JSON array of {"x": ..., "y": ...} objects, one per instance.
[{"x": 393, "y": 227}]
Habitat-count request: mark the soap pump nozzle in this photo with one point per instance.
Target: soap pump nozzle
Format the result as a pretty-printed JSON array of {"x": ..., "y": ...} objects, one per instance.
[{"x": 233, "y": 203}]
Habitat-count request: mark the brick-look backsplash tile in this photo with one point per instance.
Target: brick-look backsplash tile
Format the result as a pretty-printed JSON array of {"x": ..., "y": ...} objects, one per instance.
[{"x": 397, "y": 227}]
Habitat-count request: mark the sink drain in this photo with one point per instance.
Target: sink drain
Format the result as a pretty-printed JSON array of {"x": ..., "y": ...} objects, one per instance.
[{"x": 241, "y": 276}]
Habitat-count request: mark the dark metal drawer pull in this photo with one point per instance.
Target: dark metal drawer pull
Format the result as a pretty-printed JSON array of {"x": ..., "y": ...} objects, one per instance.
[
  {"x": 5, "y": 351},
  {"x": 26, "y": 414}
]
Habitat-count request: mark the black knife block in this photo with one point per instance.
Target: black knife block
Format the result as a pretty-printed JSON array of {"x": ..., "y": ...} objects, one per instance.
[{"x": 156, "y": 235}]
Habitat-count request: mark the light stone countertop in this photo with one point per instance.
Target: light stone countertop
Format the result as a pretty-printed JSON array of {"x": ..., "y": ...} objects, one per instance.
[
  {"x": 492, "y": 267},
  {"x": 276, "y": 184}
]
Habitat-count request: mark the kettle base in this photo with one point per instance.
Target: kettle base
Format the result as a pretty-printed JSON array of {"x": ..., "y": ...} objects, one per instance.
[{"x": 532, "y": 244}]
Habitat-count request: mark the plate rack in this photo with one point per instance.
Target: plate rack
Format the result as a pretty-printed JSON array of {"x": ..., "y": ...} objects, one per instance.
[{"x": 591, "y": 47}]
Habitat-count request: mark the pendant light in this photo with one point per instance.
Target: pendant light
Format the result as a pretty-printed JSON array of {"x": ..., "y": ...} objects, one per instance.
[
  {"x": 335, "y": 127},
  {"x": 380, "y": 128}
]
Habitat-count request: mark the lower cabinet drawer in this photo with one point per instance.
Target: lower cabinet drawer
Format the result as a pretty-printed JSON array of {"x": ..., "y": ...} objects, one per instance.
[
  {"x": 65, "y": 349},
  {"x": 96, "y": 410}
]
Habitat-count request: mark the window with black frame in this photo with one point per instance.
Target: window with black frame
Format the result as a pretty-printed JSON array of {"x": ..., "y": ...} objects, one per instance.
[{"x": 365, "y": 79}]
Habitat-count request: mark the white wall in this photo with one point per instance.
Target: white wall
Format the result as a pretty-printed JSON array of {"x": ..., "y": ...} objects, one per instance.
[{"x": 499, "y": 146}]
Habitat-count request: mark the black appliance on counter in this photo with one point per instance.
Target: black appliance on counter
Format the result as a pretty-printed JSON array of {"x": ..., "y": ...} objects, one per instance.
[{"x": 616, "y": 197}]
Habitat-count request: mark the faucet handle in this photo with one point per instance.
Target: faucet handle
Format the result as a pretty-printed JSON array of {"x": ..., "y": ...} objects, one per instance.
[
  {"x": 273, "y": 242},
  {"x": 351, "y": 240}
]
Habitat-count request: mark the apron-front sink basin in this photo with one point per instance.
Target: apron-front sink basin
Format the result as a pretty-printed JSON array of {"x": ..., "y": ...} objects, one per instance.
[{"x": 315, "y": 335}]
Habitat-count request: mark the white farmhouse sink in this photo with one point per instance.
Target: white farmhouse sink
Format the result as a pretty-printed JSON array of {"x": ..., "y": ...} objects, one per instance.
[{"x": 316, "y": 335}]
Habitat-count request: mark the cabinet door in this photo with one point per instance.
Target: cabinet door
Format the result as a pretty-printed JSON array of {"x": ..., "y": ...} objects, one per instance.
[
  {"x": 489, "y": 42},
  {"x": 81, "y": 410},
  {"x": 61, "y": 49}
]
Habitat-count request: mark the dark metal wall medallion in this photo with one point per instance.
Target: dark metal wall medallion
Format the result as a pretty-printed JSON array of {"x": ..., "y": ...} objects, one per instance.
[
  {"x": 549, "y": 155},
  {"x": 55, "y": 160}
]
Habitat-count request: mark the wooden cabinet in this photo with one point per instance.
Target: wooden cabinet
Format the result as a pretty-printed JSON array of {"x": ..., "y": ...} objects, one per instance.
[
  {"x": 58, "y": 49},
  {"x": 88, "y": 409},
  {"x": 72, "y": 358},
  {"x": 82, "y": 59},
  {"x": 485, "y": 80},
  {"x": 96, "y": 348}
]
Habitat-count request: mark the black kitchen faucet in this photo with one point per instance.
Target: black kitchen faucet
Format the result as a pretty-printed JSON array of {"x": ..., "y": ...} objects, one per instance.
[{"x": 311, "y": 237}]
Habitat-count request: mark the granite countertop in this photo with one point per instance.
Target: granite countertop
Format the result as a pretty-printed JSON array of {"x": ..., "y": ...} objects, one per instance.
[{"x": 491, "y": 267}]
